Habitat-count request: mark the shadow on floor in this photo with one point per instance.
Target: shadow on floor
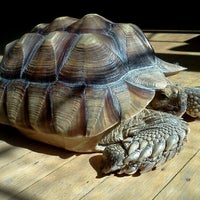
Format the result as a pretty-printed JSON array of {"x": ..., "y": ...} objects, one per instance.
[
  {"x": 13, "y": 137},
  {"x": 192, "y": 45},
  {"x": 192, "y": 62}
]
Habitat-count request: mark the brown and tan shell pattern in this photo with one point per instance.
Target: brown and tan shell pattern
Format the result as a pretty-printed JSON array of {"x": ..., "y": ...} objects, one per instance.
[{"x": 68, "y": 82}]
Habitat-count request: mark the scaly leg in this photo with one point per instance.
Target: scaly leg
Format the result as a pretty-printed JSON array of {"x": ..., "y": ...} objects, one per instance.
[
  {"x": 144, "y": 142},
  {"x": 193, "y": 101}
]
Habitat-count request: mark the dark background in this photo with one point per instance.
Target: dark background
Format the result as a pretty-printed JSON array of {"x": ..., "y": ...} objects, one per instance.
[{"x": 18, "y": 18}]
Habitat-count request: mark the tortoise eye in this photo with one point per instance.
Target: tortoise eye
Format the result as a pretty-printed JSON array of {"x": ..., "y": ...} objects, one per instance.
[{"x": 163, "y": 96}]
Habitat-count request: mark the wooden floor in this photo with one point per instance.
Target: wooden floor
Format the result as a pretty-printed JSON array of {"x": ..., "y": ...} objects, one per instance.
[{"x": 30, "y": 170}]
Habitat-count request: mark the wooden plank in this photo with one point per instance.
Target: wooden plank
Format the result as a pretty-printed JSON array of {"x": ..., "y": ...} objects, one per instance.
[
  {"x": 183, "y": 50},
  {"x": 10, "y": 142},
  {"x": 72, "y": 181},
  {"x": 186, "y": 184},
  {"x": 170, "y": 37},
  {"x": 9, "y": 154},
  {"x": 187, "y": 78},
  {"x": 24, "y": 172},
  {"x": 171, "y": 48},
  {"x": 14, "y": 145},
  {"x": 29, "y": 167}
]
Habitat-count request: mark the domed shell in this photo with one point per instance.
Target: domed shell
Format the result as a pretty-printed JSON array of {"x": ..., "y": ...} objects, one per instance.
[{"x": 77, "y": 78}]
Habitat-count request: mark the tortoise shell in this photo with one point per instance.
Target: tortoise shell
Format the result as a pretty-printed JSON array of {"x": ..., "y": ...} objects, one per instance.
[{"x": 69, "y": 82}]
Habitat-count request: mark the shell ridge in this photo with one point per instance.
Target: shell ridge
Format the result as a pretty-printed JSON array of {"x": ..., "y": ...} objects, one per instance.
[
  {"x": 42, "y": 65},
  {"x": 26, "y": 114},
  {"x": 132, "y": 98},
  {"x": 88, "y": 125},
  {"x": 3, "y": 102},
  {"x": 117, "y": 42},
  {"x": 31, "y": 55},
  {"x": 9, "y": 60},
  {"x": 51, "y": 107},
  {"x": 115, "y": 102},
  {"x": 101, "y": 112},
  {"x": 68, "y": 109},
  {"x": 149, "y": 76},
  {"x": 38, "y": 117},
  {"x": 142, "y": 37},
  {"x": 16, "y": 102},
  {"x": 67, "y": 46},
  {"x": 92, "y": 65},
  {"x": 60, "y": 23},
  {"x": 83, "y": 25},
  {"x": 40, "y": 28},
  {"x": 67, "y": 55},
  {"x": 142, "y": 87},
  {"x": 144, "y": 94},
  {"x": 169, "y": 68},
  {"x": 7, "y": 49},
  {"x": 85, "y": 111},
  {"x": 122, "y": 55}
]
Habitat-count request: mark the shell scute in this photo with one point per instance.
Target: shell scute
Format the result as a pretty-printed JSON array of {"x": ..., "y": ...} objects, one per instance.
[
  {"x": 45, "y": 63},
  {"x": 101, "y": 114},
  {"x": 131, "y": 98},
  {"x": 68, "y": 110},
  {"x": 135, "y": 49},
  {"x": 39, "y": 108},
  {"x": 17, "y": 54},
  {"x": 91, "y": 23},
  {"x": 15, "y": 97},
  {"x": 93, "y": 60},
  {"x": 58, "y": 24}
]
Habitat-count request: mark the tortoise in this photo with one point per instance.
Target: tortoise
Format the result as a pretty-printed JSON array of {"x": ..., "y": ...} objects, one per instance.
[{"x": 94, "y": 85}]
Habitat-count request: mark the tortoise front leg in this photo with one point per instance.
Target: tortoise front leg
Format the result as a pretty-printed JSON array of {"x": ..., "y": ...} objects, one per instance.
[
  {"x": 150, "y": 139},
  {"x": 193, "y": 101}
]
